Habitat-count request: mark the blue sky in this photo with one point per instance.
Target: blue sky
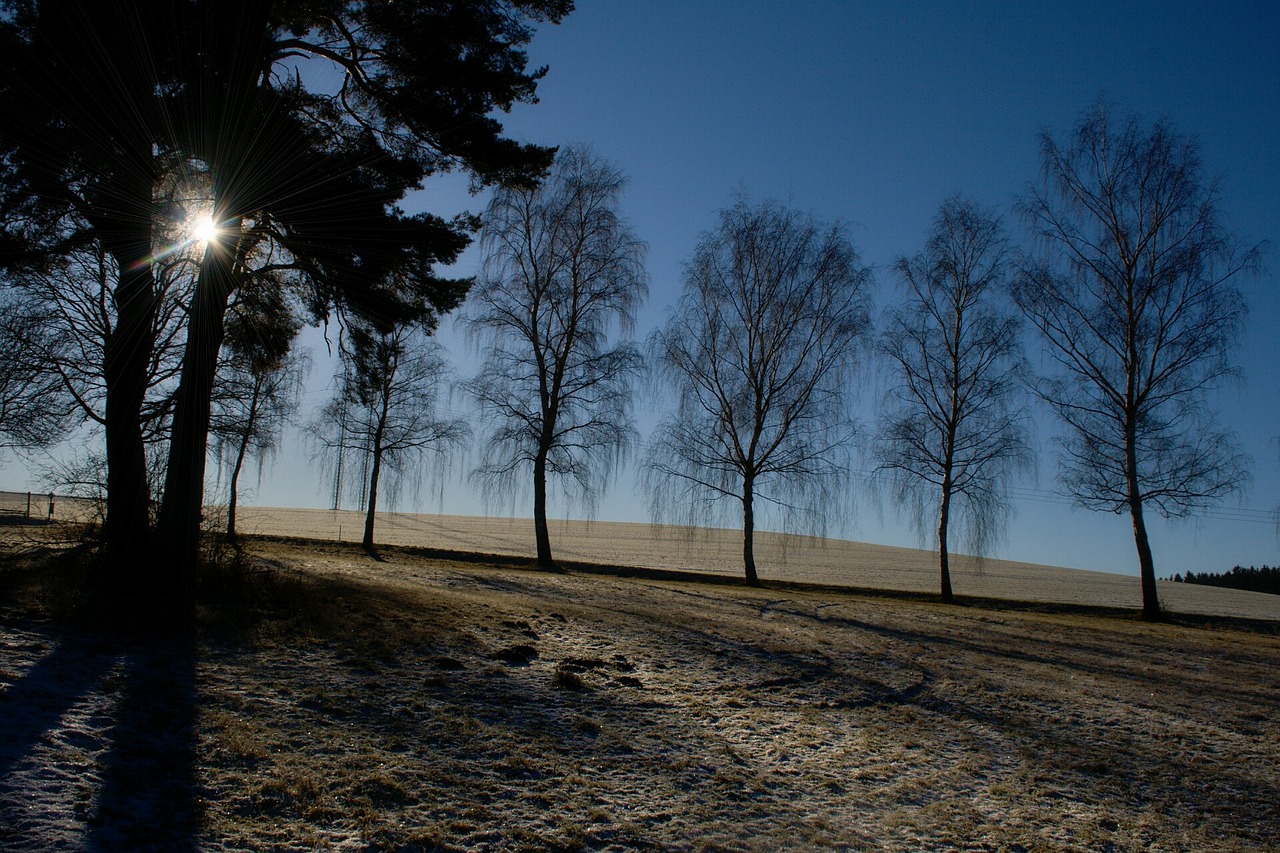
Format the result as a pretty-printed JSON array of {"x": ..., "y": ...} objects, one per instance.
[{"x": 872, "y": 113}]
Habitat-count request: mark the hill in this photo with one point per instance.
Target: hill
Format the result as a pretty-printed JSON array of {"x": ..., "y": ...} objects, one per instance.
[
  {"x": 332, "y": 701},
  {"x": 779, "y": 556}
]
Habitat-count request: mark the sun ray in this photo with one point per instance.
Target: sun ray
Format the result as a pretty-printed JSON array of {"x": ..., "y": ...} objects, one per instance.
[{"x": 201, "y": 230}]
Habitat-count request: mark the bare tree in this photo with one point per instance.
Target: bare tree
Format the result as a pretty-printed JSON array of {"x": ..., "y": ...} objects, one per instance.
[
  {"x": 562, "y": 268},
  {"x": 258, "y": 386},
  {"x": 1136, "y": 299},
  {"x": 954, "y": 433},
  {"x": 758, "y": 351},
  {"x": 62, "y": 317},
  {"x": 35, "y": 409},
  {"x": 386, "y": 414}
]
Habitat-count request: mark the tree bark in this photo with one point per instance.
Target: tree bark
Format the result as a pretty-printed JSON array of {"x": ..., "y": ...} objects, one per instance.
[
  {"x": 541, "y": 533},
  {"x": 127, "y": 352},
  {"x": 749, "y": 531},
  {"x": 949, "y": 456},
  {"x": 944, "y": 562},
  {"x": 180, "y": 512},
  {"x": 1146, "y": 563},
  {"x": 371, "y": 510}
]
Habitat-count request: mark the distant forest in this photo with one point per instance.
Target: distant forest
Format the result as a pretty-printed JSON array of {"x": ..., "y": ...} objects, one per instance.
[{"x": 1265, "y": 579}]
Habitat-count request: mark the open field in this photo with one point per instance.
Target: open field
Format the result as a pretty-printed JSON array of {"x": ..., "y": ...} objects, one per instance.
[
  {"x": 779, "y": 557},
  {"x": 335, "y": 702}
]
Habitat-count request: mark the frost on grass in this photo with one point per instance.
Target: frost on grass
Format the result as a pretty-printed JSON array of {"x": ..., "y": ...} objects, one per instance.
[
  {"x": 97, "y": 746},
  {"x": 415, "y": 704}
]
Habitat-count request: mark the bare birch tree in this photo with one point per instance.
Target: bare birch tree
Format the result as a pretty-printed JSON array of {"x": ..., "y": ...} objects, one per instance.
[
  {"x": 954, "y": 432},
  {"x": 385, "y": 416},
  {"x": 562, "y": 270},
  {"x": 258, "y": 386},
  {"x": 758, "y": 352},
  {"x": 1137, "y": 302}
]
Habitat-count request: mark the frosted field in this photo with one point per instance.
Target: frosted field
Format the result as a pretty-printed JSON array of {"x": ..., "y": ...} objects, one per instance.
[
  {"x": 331, "y": 701},
  {"x": 778, "y": 557}
]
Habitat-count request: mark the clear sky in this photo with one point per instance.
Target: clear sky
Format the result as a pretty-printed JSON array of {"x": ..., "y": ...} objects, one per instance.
[{"x": 872, "y": 113}]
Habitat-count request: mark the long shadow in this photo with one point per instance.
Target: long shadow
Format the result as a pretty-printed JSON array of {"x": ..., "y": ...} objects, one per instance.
[
  {"x": 32, "y": 712},
  {"x": 148, "y": 800},
  {"x": 1107, "y": 665},
  {"x": 147, "y": 796},
  {"x": 38, "y": 701}
]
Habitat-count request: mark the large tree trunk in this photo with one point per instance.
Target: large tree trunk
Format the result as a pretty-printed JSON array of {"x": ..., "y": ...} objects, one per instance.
[
  {"x": 540, "y": 531},
  {"x": 226, "y": 80},
  {"x": 241, "y": 452},
  {"x": 127, "y": 353},
  {"x": 749, "y": 531},
  {"x": 106, "y": 103},
  {"x": 944, "y": 562},
  {"x": 180, "y": 513}
]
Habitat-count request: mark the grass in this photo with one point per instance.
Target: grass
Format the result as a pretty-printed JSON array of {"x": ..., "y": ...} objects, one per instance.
[{"x": 423, "y": 703}]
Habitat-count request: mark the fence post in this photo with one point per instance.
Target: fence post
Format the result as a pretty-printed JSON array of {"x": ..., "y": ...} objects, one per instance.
[{"x": 28, "y": 505}]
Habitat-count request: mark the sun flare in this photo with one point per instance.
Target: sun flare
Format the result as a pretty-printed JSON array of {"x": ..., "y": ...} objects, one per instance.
[{"x": 204, "y": 229}]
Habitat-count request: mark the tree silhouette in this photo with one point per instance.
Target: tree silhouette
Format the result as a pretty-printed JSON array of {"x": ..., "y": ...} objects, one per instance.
[
  {"x": 84, "y": 152},
  {"x": 314, "y": 174},
  {"x": 562, "y": 268},
  {"x": 1135, "y": 299},
  {"x": 35, "y": 408},
  {"x": 66, "y": 305},
  {"x": 954, "y": 432},
  {"x": 386, "y": 413},
  {"x": 62, "y": 319},
  {"x": 757, "y": 353},
  {"x": 322, "y": 172}
]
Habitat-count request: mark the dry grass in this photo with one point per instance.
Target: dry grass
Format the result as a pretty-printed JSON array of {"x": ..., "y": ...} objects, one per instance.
[
  {"x": 780, "y": 558},
  {"x": 416, "y": 704}
]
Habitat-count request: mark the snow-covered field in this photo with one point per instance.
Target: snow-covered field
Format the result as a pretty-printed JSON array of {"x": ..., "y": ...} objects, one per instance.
[
  {"x": 779, "y": 557},
  {"x": 336, "y": 702}
]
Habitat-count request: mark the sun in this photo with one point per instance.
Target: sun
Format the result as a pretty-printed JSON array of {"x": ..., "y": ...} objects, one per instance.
[{"x": 204, "y": 230}]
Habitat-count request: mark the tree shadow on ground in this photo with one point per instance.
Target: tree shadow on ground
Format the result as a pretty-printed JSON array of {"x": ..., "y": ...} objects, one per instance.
[
  {"x": 37, "y": 701},
  {"x": 97, "y": 724},
  {"x": 148, "y": 799},
  {"x": 124, "y": 707}
]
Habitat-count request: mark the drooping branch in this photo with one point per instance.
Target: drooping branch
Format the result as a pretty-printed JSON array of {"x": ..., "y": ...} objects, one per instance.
[
  {"x": 758, "y": 351},
  {"x": 1136, "y": 300}
]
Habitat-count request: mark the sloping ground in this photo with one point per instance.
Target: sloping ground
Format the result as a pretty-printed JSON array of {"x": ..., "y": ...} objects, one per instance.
[
  {"x": 335, "y": 702},
  {"x": 779, "y": 557}
]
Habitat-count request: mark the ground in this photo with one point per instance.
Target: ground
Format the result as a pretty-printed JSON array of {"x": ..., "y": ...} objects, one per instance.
[{"x": 332, "y": 701}]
